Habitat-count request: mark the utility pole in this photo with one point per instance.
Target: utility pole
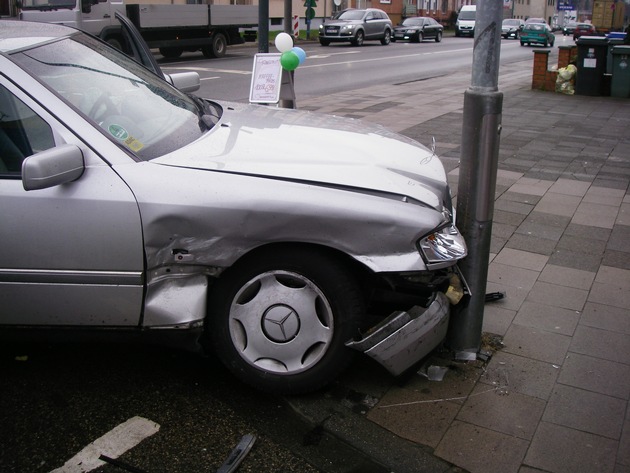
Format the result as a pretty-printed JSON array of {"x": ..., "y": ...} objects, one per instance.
[
  {"x": 477, "y": 177},
  {"x": 263, "y": 26}
]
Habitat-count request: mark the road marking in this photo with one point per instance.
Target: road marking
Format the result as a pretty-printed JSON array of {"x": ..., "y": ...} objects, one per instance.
[
  {"x": 113, "y": 444},
  {"x": 388, "y": 58},
  {"x": 208, "y": 69}
]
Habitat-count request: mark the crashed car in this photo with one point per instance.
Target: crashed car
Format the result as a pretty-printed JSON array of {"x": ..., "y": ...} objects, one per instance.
[{"x": 133, "y": 211}]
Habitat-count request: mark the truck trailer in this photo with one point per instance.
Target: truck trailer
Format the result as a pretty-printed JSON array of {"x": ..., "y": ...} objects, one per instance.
[
  {"x": 608, "y": 15},
  {"x": 171, "y": 28}
]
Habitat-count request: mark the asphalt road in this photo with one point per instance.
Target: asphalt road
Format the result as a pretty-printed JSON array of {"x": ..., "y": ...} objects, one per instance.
[
  {"x": 341, "y": 67},
  {"x": 57, "y": 399}
]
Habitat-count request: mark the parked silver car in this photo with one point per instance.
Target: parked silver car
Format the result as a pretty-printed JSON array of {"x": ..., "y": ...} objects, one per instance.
[
  {"x": 133, "y": 210},
  {"x": 355, "y": 26}
]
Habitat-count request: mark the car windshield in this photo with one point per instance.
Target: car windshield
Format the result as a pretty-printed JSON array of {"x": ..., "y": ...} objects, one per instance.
[
  {"x": 351, "y": 15},
  {"x": 511, "y": 22},
  {"x": 132, "y": 105},
  {"x": 412, "y": 22},
  {"x": 467, "y": 15}
]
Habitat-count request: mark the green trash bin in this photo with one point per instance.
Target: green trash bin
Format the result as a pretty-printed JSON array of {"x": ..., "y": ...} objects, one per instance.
[
  {"x": 591, "y": 65},
  {"x": 620, "y": 84}
]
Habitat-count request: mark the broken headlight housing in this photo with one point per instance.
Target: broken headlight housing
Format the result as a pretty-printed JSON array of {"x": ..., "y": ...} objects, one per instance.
[{"x": 443, "y": 247}]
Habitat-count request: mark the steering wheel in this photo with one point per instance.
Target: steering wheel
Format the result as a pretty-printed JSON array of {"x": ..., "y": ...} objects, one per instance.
[{"x": 105, "y": 103}]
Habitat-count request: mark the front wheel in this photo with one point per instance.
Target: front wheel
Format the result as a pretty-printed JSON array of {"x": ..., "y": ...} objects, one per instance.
[
  {"x": 387, "y": 38},
  {"x": 280, "y": 321},
  {"x": 171, "y": 53},
  {"x": 438, "y": 38},
  {"x": 324, "y": 42},
  {"x": 358, "y": 39}
]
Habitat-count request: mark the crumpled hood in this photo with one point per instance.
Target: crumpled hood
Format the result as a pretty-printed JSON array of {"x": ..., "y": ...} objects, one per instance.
[{"x": 315, "y": 149}]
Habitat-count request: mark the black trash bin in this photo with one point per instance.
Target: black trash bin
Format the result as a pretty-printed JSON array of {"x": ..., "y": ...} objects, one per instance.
[{"x": 591, "y": 65}]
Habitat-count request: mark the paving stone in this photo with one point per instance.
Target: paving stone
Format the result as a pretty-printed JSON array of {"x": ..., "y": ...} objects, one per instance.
[
  {"x": 536, "y": 344},
  {"x": 559, "y": 449},
  {"x": 620, "y": 238},
  {"x": 623, "y": 455},
  {"x": 586, "y": 411},
  {"x": 558, "y": 204},
  {"x": 582, "y": 245},
  {"x": 588, "y": 232},
  {"x": 522, "y": 375},
  {"x": 423, "y": 422},
  {"x": 567, "y": 277},
  {"x": 613, "y": 294},
  {"x": 570, "y": 187},
  {"x": 521, "y": 259},
  {"x": 531, "y": 244},
  {"x": 572, "y": 259},
  {"x": 497, "y": 320},
  {"x": 605, "y": 317},
  {"x": 481, "y": 450},
  {"x": 558, "y": 296},
  {"x": 510, "y": 413},
  {"x": 512, "y": 276},
  {"x": 601, "y": 344},
  {"x": 616, "y": 259},
  {"x": 596, "y": 375},
  {"x": 548, "y": 318}
]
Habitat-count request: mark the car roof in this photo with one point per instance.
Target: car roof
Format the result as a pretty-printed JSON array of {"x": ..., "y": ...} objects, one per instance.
[{"x": 16, "y": 35}]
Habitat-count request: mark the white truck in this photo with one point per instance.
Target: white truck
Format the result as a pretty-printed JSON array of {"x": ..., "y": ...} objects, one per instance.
[{"x": 171, "y": 28}]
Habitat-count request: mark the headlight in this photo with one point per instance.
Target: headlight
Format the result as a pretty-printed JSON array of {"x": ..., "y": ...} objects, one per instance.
[
  {"x": 443, "y": 247},
  {"x": 348, "y": 28}
]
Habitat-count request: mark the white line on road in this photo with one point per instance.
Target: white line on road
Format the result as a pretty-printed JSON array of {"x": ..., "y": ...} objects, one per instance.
[{"x": 113, "y": 444}]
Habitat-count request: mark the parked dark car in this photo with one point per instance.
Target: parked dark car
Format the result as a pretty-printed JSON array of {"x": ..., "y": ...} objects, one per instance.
[
  {"x": 416, "y": 29},
  {"x": 583, "y": 29},
  {"x": 569, "y": 28},
  {"x": 511, "y": 28},
  {"x": 537, "y": 33},
  {"x": 355, "y": 26}
]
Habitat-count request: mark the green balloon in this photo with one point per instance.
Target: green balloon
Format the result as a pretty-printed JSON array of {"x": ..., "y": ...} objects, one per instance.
[{"x": 289, "y": 60}]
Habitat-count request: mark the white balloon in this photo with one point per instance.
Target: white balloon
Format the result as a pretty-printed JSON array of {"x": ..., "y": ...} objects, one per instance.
[{"x": 284, "y": 42}]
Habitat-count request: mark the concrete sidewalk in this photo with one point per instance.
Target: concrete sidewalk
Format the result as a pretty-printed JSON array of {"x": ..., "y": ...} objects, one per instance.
[{"x": 554, "y": 396}]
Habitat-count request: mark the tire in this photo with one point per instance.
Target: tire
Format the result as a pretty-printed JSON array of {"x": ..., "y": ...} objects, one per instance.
[
  {"x": 387, "y": 38},
  {"x": 438, "y": 38},
  {"x": 419, "y": 38},
  {"x": 171, "y": 53},
  {"x": 217, "y": 48},
  {"x": 279, "y": 321},
  {"x": 522, "y": 44},
  {"x": 324, "y": 42},
  {"x": 358, "y": 38}
]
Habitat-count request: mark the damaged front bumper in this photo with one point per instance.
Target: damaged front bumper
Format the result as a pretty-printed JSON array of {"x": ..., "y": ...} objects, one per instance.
[{"x": 404, "y": 338}]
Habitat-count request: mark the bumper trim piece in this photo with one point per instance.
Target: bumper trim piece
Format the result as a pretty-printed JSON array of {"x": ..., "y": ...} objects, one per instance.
[{"x": 404, "y": 338}]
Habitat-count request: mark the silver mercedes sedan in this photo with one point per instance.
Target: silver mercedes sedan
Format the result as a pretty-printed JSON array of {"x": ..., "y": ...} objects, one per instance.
[{"x": 284, "y": 241}]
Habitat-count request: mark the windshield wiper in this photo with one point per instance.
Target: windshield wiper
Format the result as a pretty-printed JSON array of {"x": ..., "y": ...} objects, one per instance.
[{"x": 208, "y": 114}]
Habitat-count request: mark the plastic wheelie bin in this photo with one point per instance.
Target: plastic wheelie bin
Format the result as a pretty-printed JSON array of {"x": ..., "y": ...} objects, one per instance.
[
  {"x": 620, "y": 84},
  {"x": 591, "y": 65}
]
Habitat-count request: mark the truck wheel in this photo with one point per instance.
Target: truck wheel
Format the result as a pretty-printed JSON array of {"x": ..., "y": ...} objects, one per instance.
[
  {"x": 171, "y": 53},
  {"x": 280, "y": 321},
  {"x": 217, "y": 48},
  {"x": 115, "y": 42}
]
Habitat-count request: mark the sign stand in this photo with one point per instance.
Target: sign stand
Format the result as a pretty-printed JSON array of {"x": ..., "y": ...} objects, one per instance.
[{"x": 270, "y": 82}]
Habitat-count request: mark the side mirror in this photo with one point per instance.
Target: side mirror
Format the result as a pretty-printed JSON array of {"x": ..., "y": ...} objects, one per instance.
[
  {"x": 184, "y": 81},
  {"x": 52, "y": 167},
  {"x": 86, "y": 6}
]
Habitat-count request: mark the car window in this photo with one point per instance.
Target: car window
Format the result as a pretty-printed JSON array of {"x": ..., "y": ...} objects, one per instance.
[
  {"x": 351, "y": 15},
  {"x": 133, "y": 107},
  {"x": 22, "y": 133}
]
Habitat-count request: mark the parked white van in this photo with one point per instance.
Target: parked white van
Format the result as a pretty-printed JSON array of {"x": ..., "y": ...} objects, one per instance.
[{"x": 465, "y": 25}]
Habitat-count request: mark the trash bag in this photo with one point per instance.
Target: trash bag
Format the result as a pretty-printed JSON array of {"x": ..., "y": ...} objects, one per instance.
[{"x": 565, "y": 83}]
